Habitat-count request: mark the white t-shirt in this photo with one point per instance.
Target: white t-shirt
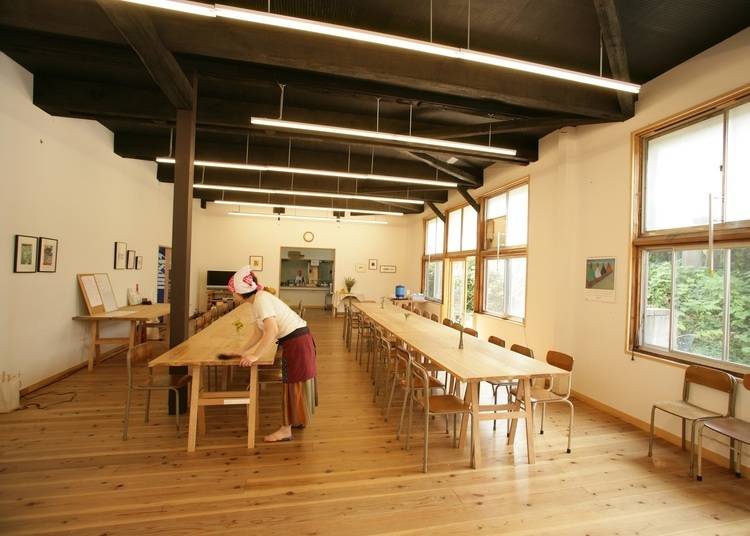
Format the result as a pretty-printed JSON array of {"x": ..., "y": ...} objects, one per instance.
[{"x": 267, "y": 305}]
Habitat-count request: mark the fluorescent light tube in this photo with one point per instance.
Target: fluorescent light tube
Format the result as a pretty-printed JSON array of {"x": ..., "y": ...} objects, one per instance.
[
  {"x": 308, "y": 194},
  {"x": 184, "y": 6},
  {"x": 318, "y": 172},
  {"x": 306, "y": 218},
  {"x": 386, "y": 136},
  {"x": 392, "y": 41},
  {"x": 300, "y": 207}
]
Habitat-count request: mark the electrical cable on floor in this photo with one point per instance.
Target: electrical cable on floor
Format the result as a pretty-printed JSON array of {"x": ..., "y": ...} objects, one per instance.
[{"x": 71, "y": 394}]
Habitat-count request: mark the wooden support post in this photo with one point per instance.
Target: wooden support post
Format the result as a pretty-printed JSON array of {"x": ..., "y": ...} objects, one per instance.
[{"x": 182, "y": 210}]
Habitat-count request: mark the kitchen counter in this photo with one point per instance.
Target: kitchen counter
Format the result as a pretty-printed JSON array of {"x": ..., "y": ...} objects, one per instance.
[{"x": 326, "y": 289}]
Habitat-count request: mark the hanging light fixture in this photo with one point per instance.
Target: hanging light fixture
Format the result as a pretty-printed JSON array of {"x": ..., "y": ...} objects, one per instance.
[
  {"x": 317, "y": 172},
  {"x": 303, "y": 193},
  {"x": 386, "y": 40},
  {"x": 302, "y": 207},
  {"x": 382, "y": 136},
  {"x": 306, "y": 218}
]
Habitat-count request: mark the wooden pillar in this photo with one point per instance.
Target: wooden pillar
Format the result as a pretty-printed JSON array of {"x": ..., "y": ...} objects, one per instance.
[{"x": 182, "y": 225}]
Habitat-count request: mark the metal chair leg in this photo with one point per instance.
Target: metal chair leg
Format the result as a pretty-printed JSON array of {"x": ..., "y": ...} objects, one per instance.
[
  {"x": 692, "y": 447},
  {"x": 127, "y": 416},
  {"x": 699, "y": 471},
  {"x": 541, "y": 428},
  {"x": 148, "y": 405},
  {"x": 426, "y": 440},
  {"x": 408, "y": 424},
  {"x": 651, "y": 432},
  {"x": 738, "y": 463},
  {"x": 403, "y": 412},
  {"x": 177, "y": 410},
  {"x": 390, "y": 399},
  {"x": 570, "y": 424}
]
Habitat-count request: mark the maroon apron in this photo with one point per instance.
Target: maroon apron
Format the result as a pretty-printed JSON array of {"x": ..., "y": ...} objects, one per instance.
[{"x": 297, "y": 356}]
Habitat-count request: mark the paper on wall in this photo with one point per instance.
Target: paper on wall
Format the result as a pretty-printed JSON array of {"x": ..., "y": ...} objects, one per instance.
[
  {"x": 105, "y": 289},
  {"x": 92, "y": 292}
]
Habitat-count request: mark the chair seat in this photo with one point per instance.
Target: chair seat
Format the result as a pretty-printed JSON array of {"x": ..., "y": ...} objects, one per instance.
[
  {"x": 269, "y": 375},
  {"x": 180, "y": 382},
  {"x": 685, "y": 410},
  {"x": 419, "y": 383},
  {"x": 538, "y": 394},
  {"x": 448, "y": 404},
  {"x": 730, "y": 427}
]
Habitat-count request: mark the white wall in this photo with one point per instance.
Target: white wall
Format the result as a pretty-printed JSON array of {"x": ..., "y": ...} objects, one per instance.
[
  {"x": 223, "y": 242},
  {"x": 61, "y": 179},
  {"x": 580, "y": 206}
]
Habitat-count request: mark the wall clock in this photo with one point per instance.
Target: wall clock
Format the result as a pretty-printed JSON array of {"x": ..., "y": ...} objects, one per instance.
[{"x": 308, "y": 236}]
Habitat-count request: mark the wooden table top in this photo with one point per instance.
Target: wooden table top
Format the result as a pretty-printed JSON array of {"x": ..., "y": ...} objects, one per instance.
[
  {"x": 478, "y": 360},
  {"x": 132, "y": 312},
  {"x": 221, "y": 337}
]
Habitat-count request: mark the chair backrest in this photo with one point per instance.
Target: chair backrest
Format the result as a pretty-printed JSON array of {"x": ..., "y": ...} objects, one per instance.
[
  {"x": 434, "y": 317},
  {"x": 401, "y": 366},
  {"x": 302, "y": 312},
  {"x": 496, "y": 340},
  {"x": 448, "y": 322},
  {"x": 425, "y": 314},
  {"x": 200, "y": 323},
  {"x": 528, "y": 352},
  {"x": 711, "y": 378},
  {"x": 560, "y": 360},
  {"x": 420, "y": 376},
  {"x": 457, "y": 326},
  {"x": 746, "y": 381},
  {"x": 207, "y": 318},
  {"x": 471, "y": 331}
]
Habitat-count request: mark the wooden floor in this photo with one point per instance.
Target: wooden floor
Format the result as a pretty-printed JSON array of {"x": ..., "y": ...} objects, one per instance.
[{"x": 66, "y": 470}]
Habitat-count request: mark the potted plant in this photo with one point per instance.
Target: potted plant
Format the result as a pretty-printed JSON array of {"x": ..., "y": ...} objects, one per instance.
[{"x": 349, "y": 282}]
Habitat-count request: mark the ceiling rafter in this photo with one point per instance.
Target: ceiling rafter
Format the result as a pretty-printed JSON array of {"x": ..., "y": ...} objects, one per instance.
[{"x": 614, "y": 44}]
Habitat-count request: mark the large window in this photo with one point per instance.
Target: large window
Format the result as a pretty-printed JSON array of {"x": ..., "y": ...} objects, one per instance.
[
  {"x": 434, "y": 246},
  {"x": 693, "y": 246},
  {"x": 462, "y": 230},
  {"x": 504, "y": 255}
]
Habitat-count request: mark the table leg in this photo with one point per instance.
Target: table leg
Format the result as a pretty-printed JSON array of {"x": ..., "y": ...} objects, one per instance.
[
  {"x": 131, "y": 339},
  {"x": 476, "y": 458},
  {"x": 93, "y": 332},
  {"x": 195, "y": 389},
  {"x": 464, "y": 422},
  {"x": 529, "y": 417},
  {"x": 252, "y": 407}
]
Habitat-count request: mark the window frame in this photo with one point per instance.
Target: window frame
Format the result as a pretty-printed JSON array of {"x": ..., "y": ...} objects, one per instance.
[
  {"x": 433, "y": 257},
  {"x": 505, "y": 252},
  {"x": 726, "y": 234}
]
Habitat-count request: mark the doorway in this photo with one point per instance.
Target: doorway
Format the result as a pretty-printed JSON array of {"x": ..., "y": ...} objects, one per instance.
[{"x": 461, "y": 296}]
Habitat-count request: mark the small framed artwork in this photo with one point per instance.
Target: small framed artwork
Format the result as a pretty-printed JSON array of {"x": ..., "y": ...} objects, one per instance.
[
  {"x": 25, "y": 254},
  {"x": 372, "y": 264},
  {"x": 47, "y": 255},
  {"x": 360, "y": 268},
  {"x": 387, "y": 268},
  {"x": 121, "y": 251},
  {"x": 256, "y": 263},
  {"x": 139, "y": 262},
  {"x": 131, "y": 259},
  {"x": 600, "y": 279}
]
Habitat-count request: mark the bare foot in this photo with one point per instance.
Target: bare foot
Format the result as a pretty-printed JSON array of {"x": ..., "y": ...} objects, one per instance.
[{"x": 282, "y": 434}]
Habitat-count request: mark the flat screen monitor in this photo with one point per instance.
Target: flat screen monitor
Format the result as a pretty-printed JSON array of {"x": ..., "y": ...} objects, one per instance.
[{"x": 218, "y": 278}]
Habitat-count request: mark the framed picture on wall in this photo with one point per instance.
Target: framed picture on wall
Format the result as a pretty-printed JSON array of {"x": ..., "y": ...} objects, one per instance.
[
  {"x": 387, "y": 269},
  {"x": 47, "y": 255},
  {"x": 139, "y": 262},
  {"x": 25, "y": 254},
  {"x": 121, "y": 251},
  {"x": 360, "y": 268},
  {"x": 256, "y": 263},
  {"x": 372, "y": 264},
  {"x": 131, "y": 259}
]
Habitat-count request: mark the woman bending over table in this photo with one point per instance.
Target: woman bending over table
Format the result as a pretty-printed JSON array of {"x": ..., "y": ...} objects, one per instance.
[{"x": 278, "y": 323}]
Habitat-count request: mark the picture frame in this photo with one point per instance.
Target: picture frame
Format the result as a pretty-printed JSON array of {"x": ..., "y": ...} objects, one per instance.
[
  {"x": 372, "y": 264},
  {"x": 47, "y": 255},
  {"x": 121, "y": 251},
  {"x": 360, "y": 268},
  {"x": 600, "y": 279},
  {"x": 256, "y": 263},
  {"x": 387, "y": 268},
  {"x": 25, "y": 254},
  {"x": 139, "y": 262},
  {"x": 131, "y": 259}
]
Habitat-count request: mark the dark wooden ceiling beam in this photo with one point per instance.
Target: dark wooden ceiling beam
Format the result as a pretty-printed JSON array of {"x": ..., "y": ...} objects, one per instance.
[
  {"x": 467, "y": 196},
  {"x": 614, "y": 44},
  {"x": 474, "y": 179},
  {"x": 138, "y": 30},
  {"x": 436, "y": 210},
  {"x": 236, "y": 41},
  {"x": 504, "y": 127}
]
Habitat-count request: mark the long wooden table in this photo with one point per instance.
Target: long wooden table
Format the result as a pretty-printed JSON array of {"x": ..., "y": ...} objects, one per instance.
[
  {"x": 478, "y": 361},
  {"x": 202, "y": 349},
  {"x": 135, "y": 314}
]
